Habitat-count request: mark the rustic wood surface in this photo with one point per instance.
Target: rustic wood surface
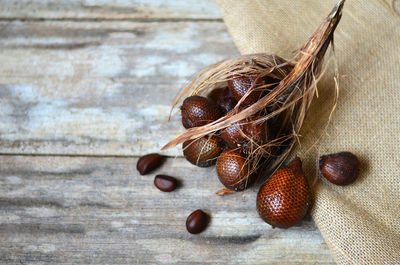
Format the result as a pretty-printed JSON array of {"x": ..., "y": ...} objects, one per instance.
[
  {"x": 95, "y": 87},
  {"x": 86, "y": 88},
  {"x": 100, "y": 210},
  {"x": 150, "y": 10}
]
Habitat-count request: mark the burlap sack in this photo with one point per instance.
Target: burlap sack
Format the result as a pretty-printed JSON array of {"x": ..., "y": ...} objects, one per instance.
[{"x": 360, "y": 222}]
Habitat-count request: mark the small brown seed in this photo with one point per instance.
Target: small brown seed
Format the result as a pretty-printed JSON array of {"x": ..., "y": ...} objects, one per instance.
[
  {"x": 148, "y": 163},
  {"x": 165, "y": 183},
  {"x": 340, "y": 169},
  {"x": 197, "y": 221}
]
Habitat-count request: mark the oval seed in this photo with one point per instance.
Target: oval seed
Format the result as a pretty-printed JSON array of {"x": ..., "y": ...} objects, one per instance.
[
  {"x": 165, "y": 183},
  {"x": 148, "y": 163},
  {"x": 197, "y": 221}
]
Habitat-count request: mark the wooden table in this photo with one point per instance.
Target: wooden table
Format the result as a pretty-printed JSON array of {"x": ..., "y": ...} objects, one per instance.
[{"x": 86, "y": 88}]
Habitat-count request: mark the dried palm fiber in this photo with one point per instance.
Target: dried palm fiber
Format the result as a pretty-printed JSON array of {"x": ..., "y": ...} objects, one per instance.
[
  {"x": 360, "y": 222},
  {"x": 286, "y": 104}
]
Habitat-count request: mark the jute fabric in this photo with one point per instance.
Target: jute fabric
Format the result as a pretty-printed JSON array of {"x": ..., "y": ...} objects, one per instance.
[{"x": 360, "y": 222}]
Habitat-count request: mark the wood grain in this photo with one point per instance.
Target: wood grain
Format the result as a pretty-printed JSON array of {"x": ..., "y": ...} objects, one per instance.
[
  {"x": 85, "y": 83},
  {"x": 109, "y": 9},
  {"x": 76, "y": 210},
  {"x": 98, "y": 88}
]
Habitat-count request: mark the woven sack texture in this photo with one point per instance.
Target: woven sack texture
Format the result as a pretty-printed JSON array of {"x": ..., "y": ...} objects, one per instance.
[{"x": 360, "y": 222}]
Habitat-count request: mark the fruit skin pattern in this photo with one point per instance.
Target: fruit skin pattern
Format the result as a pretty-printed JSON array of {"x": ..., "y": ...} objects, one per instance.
[
  {"x": 285, "y": 197},
  {"x": 203, "y": 152},
  {"x": 245, "y": 135},
  {"x": 233, "y": 171},
  {"x": 198, "y": 111},
  {"x": 239, "y": 86}
]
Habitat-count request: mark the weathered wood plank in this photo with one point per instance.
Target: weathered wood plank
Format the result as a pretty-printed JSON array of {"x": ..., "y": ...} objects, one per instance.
[
  {"x": 109, "y": 9},
  {"x": 101, "y": 211},
  {"x": 98, "y": 88}
]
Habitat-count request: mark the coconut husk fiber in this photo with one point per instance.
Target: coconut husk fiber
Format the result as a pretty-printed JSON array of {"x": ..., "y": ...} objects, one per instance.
[{"x": 360, "y": 222}]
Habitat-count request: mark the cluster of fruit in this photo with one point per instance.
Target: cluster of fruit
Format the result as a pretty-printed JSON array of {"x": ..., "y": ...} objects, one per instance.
[
  {"x": 233, "y": 148},
  {"x": 285, "y": 197}
]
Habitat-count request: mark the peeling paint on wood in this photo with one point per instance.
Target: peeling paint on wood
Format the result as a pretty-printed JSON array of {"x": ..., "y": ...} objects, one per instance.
[
  {"x": 111, "y": 97},
  {"x": 109, "y": 9}
]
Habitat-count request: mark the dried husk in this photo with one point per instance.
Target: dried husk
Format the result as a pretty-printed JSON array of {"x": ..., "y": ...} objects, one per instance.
[{"x": 285, "y": 106}]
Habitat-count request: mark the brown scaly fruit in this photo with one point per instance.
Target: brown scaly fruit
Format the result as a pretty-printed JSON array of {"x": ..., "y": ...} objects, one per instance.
[
  {"x": 246, "y": 135},
  {"x": 227, "y": 104},
  {"x": 204, "y": 151},
  {"x": 198, "y": 111},
  {"x": 233, "y": 170},
  {"x": 223, "y": 98},
  {"x": 284, "y": 199},
  {"x": 239, "y": 85},
  {"x": 217, "y": 93}
]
